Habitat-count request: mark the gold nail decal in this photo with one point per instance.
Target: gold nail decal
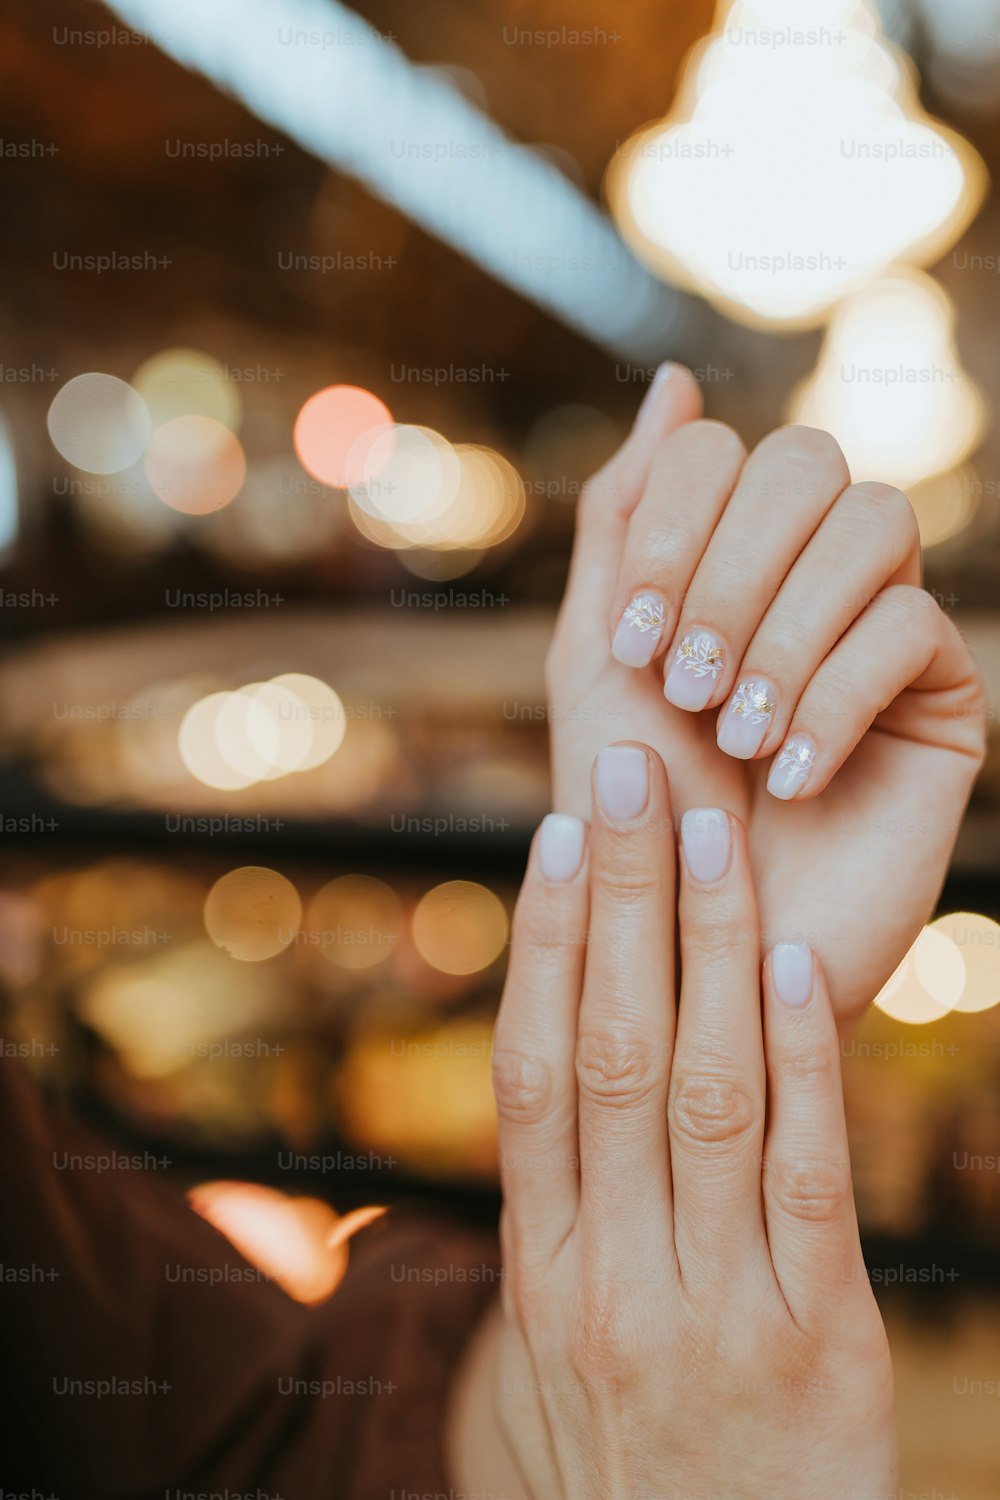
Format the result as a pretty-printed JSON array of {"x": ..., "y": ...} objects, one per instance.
[
  {"x": 700, "y": 653},
  {"x": 645, "y": 613},
  {"x": 751, "y": 702}
]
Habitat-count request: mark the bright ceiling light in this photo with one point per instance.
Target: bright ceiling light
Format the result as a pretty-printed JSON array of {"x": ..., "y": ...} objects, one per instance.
[
  {"x": 889, "y": 385},
  {"x": 795, "y": 165}
]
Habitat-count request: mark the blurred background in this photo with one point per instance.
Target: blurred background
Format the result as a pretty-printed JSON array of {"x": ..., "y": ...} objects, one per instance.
[{"x": 314, "y": 321}]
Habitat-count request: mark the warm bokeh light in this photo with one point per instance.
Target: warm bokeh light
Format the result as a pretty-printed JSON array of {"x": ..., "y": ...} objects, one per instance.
[
  {"x": 410, "y": 476},
  {"x": 335, "y": 432},
  {"x": 889, "y": 385},
  {"x": 186, "y": 382},
  {"x": 354, "y": 921},
  {"x": 977, "y": 939},
  {"x": 253, "y": 913},
  {"x": 301, "y": 1243},
  {"x": 199, "y": 746},
  {"x": 317, "y": 704},
  {"x": 946, "y": 504},
  {"x": 927, "y": 983},
  {"x": 99, "y": 423},
  {"x": 792, "y": 170},
  {"x": 195, "y": 464},
  {"x": 460, "y": 927},
  {"x": 423, "y": 1097}
]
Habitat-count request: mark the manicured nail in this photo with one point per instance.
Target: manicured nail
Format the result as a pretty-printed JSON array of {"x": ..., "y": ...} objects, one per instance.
[
  {"x": 792, "y": 973},
  {"x": 560, "y": 846},
  {"x": 696, "y": 666},
  {"x": 747, "y": 718},
  {"x": 649, "y": 408},
  {"x": 706, "y": 842},
  {"x": 622, "y": 781},
  {"x": 792, "y": 769},
  {"x": 639, "y": 631}
]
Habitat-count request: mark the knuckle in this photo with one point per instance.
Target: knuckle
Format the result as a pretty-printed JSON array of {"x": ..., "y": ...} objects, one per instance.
[
  {"x": 624, "y": 881},
  {"x": 903, "y": 604},
  {"x": 874, "y": 503},
  {"x": 811, "y": 1070},
  {"x": 712, "y": 1111},
  {"x": 661, "y": 549},
  {"x": 805, "y": 447},
  {"x": 523, "y": 1084},
  {"x": 615, "y": 1068},
  {"x": 601, "y": 1348},
  {"x": 815, "y": 1190}
]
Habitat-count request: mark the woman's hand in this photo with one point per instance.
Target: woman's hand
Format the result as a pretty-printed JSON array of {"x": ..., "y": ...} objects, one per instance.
[
  {"x": 687, "y": 1314},
  {"x": 811, "y": 686}
]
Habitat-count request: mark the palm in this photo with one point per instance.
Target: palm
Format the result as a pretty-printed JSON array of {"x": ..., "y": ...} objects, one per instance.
[{"x": 853, "y": 872}]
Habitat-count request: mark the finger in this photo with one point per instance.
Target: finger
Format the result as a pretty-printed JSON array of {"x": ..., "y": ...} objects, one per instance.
[
  {"x": 690, "y": 481},
  {"x": 812, "y": 1228},
  {"x": 608, "y": 500},
  {"x": 535, "y": 1038},
  {"x": 716, "y": 1109},
  {"x": 786, "y": 487},
  {"x": 867, "y": 538},
  {"x": 901, "y": 640},
  {"x": 626, "y": 1020}
]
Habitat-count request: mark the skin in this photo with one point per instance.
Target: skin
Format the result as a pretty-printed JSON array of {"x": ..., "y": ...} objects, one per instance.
[
  {"x": 686, "y": 1312},
  {"x": 814, "y": 584}
]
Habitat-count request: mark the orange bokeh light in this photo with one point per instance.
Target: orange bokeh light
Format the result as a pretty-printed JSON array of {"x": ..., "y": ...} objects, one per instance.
[
  {"x": 336, "y": 430},
  {"x": 195, "y": 464}
]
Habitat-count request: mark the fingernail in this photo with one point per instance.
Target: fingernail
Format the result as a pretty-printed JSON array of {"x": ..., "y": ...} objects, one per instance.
[
  {"x": 747, "y": 718},
  {"x": 639, "y": 631},
  {"x": 622, "y": 781},
  {"x": 649, "y": 406},
  {"x": 560, "y": 846},
  {"x": 706, "y": 842},
  {"x": 696, "y": 666},
  {"x": 793, "y": 767},
  {"x": 792, "y": 973}
]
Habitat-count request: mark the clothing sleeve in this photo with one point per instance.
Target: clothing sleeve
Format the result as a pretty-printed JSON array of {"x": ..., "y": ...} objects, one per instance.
[{"x": 145, "y": 1358}]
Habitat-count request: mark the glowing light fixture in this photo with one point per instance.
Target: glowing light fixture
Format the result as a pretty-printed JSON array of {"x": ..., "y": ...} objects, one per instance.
[
  {"x": 795, "y": 165},
  {"x": 889, "y": 386}
]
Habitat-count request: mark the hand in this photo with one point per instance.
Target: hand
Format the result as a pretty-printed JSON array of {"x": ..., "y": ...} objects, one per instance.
[
  {"x": 687, "y": 1313},
  {"x": 807, "y": 587}
]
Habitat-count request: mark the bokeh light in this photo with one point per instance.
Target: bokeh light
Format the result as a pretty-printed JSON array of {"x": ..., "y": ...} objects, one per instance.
[
  {"x": 99, "y": 423},
  {"x": 195, "y": 464},
  {"x": 977, "y": 939},
  {"x": 354, "y": 921},
  {"x": 199, "y": 746},
  {"x": 927, "y": 983},
  {"x": 336, "y": 430},
  {"x": 253, "y": 913},
  {"x": 460, "y": 927},
  {"x": 186, "y": 382}
]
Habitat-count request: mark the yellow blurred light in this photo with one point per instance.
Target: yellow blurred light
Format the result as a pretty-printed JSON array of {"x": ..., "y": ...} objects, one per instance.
[
  {"x": 195, "y": 464},
  {"x": 317, "y": 704},
  {"x": 354, "y": 921},
  {"x": 927, "y": 983},
  {"x": 796, "y": 164},
  {"x": 474, "y": 500},
  {"x": 301, "y": 1243},
  {"x": 335, "y": 432},
  {"x": 185, "y": 382},
  {"x": 459, "y": 927},
  {"x": 253, "y": 913},
  {"x": 410, "y": 476},
  {"x": 977, "y": 939},
  {"x": 889, "y": 386},
  {"x": 199, "y": 747},
  {"x": 99, "y": 423},
  {"x": 945, "y": 504}
]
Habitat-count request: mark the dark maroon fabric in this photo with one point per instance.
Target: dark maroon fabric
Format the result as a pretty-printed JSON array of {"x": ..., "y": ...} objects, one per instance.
[{"x": 86, "y": 1294}]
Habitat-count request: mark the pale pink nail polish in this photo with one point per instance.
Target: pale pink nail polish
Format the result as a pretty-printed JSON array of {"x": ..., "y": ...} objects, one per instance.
[
  {"x": 622, "y": 780},
  {"x": 747, "y": 718},
  {"x": 639, "y": 631},
  {"x": 695, "y": 670},
  {"x": 792, "y": 973},
  {"x": 707, "y": 843},
  {"x": 560, "y": 846},
  {"x": 792, "y": 768}
]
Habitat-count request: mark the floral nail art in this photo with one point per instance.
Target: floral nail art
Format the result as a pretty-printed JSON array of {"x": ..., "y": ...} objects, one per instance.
[
  {"x": 645, "y": 613},
  {"x": 797, "y": 757},
  {"x": 751, "y": 702},
  {"x": 701, "y": 654}
]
